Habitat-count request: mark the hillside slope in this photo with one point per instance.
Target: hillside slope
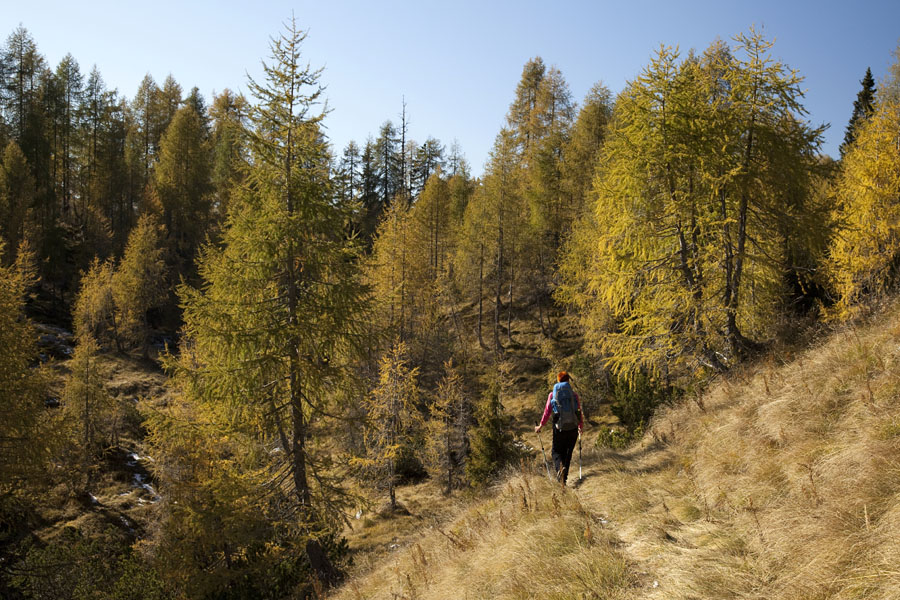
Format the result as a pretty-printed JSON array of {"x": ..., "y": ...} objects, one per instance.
[{"x": 781, "y": 481}]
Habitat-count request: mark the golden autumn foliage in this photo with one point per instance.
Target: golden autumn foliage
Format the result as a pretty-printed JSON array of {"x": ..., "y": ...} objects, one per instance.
[
  {"x": 702, "y": 205},
  {"x": 864, "y": 256}
]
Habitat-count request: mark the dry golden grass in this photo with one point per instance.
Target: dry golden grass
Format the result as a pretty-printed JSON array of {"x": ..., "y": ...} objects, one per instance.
[
  {"x": 781, "y": 482},
  {"x": 530, "y": 539}
]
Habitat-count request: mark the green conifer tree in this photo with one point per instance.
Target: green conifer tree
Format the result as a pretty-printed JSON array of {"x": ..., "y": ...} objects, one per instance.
[
  {"x": 863, "y": 107},
  {"x": 279, "y": 315},
  {"x": 491, "y": 441}
]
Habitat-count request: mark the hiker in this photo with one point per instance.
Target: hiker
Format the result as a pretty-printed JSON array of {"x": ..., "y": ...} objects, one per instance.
[{"x": 568, "y": 423}]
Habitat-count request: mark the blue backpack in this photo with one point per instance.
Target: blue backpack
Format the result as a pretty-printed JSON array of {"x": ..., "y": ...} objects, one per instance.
[{"x": 565, "y": 406}]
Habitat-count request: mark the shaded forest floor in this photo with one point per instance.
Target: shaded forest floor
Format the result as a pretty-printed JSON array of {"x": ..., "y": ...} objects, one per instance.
[{"x": 119, "y": 494}]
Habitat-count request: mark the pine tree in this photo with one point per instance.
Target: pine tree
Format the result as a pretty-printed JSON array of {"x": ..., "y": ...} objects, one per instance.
[
  {"x": 369, "y": 196},
  {"x": 863, "y": 107},
  {"x": 280, "y": 311},
  {"x": 20, "y": 87},
  {"x": 348, "y": 173},
  {"x": 428, "y": 158},
  {"x": 388, "y": 156}
]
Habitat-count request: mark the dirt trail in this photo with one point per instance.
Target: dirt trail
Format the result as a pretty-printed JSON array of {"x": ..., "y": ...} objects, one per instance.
[{"x": 633, "y": 492}]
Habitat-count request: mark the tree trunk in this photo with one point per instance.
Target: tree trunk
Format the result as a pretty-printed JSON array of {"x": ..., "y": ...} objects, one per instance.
[{"x": 481, "y": 297}]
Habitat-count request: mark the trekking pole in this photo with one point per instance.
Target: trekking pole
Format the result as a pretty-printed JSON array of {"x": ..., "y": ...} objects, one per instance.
[
  {"x": 546, "y": 464},
  {"x": 580, "y": 435}
]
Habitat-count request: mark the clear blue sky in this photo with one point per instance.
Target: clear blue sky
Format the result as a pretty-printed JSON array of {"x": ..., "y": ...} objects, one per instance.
[{"x": 457, "y": 63}]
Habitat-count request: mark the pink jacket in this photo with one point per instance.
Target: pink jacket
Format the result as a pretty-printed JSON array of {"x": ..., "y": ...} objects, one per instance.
[{"x": 549, "y": 411}]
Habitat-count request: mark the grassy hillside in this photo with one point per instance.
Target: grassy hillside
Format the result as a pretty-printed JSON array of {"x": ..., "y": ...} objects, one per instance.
[{"x": 781, "y": 481}]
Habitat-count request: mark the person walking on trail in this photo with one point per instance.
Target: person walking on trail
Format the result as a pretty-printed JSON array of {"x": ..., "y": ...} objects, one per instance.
[{"x": 568, "y": 423}]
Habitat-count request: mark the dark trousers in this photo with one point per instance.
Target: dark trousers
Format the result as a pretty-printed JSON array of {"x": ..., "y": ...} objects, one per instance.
[{"x": 563, "y": 446}]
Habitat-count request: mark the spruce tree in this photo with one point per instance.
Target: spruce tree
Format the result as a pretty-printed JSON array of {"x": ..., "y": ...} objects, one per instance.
[
  {"x": 491, "y": 439},
  {"x": 863, "y": 107}
]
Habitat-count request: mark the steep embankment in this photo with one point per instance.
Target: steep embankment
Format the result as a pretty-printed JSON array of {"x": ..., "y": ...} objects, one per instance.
[{"x": 781, "y": 481}]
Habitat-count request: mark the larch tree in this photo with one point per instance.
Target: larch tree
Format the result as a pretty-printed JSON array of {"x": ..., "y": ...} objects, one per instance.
[
  {"x": 393, "y": 418},
  {"x": 17, "y": 192},
  {"x": 582, "y": 149},
  {"x": 139, "y": 283},
  {"x": 864, "y": 255},
  {"x": 229, "y": 114},
  {"x": 446, "y": 441},
  {"x": 280, "y": 312},
  {"x": 701, "y": 201},
  {"x": 472, "y": 255},
  {"x": 506, "y": 225},
  {"x": 94, "y": 311},
  {"x": 183, "y": 183},
  {"x": 26, "y": 439},
  {"x": 88, "y": 407},
  {"x": 388, "y": 271}
]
